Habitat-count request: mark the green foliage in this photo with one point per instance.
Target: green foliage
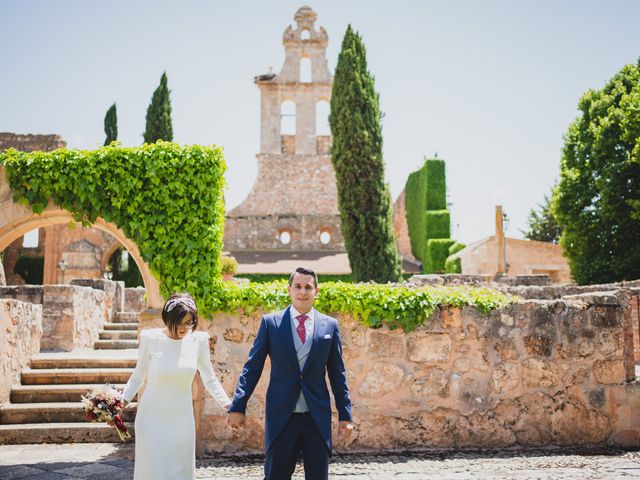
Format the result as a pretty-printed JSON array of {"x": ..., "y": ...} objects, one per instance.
[
  {"x": 31, "y": 269},
  {"x": 111, "y": 125},
  {"x": 159, "y": 125},
  {"x": 229, "y": 265},
  {"x": 438, "y": 251},
  {"x": 597, "y": 201},
  {"x": 271, "y": 277},
  {"x": 426, "y": 213},
  {"x": 165, "y": 197},
  {"x": 453, "y": 264},
  {"x": 356, "y": 152},
  {"x": 456, "y": 247},
  {"x": 542, "y": 224},
  {"x": 437, "y": 224},
  {"x": 372, "y": 304}
]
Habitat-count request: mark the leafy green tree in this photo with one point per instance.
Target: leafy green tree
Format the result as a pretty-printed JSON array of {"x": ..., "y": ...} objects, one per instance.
[
  {"x": 159, "y": 125},
  {"x": 111, "y": 125},
  {"x": 356, "y": 152},
  {"x": 597, "y": 201},
  {"x": 543, "y": 226}
]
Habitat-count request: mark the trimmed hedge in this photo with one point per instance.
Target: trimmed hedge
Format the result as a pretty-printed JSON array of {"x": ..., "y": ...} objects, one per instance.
[
  {"x": 453, "y": 265},
  {"x": 165, "y": 197},
  {"x": 372, "y": 304},
  {"x": 456, "y": 247},
  {"x": 438, "y": 249},
  {"x": 427, "y": 216}
]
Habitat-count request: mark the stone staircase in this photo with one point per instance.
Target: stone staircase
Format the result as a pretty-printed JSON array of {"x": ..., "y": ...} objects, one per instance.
[{"x": 46, "y": 406}]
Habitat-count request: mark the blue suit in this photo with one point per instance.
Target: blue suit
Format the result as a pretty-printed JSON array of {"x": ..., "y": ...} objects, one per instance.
[{"x": 287, "y": 380}]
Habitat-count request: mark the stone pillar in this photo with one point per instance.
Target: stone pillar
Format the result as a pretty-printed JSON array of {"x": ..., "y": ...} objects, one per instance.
[{"x": 501, "y": 261}]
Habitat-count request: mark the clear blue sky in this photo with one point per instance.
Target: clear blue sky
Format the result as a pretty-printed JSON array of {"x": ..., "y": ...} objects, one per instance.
[{"x": 490, "y": 85}]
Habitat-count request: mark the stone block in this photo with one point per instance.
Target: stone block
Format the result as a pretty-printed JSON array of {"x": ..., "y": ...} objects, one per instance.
[
  {"x": 609, "y": 371},
  {"x": 381, "y": 379},
  {"x": 505, "y": 377},
  {"x": 432, "y": 347},
  {"x": 538, "y": 373},
  {"x": 434, "y": 381},
  {"x": 234, "y": 335},
  {"x": 385, "y": 345}
]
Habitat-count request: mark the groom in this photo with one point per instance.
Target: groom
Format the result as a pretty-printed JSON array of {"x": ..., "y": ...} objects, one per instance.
[{"x": 304, "y": 346}]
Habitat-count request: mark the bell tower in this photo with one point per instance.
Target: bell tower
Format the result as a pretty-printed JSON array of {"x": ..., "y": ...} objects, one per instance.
[{"x": 293, "y": 204}]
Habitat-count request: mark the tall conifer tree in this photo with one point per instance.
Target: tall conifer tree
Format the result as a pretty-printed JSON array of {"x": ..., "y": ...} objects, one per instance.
[
  {"x": 159, "y": 125},
  {"x": 356, "y": 153},
  {"x": 111, "y": 125}
]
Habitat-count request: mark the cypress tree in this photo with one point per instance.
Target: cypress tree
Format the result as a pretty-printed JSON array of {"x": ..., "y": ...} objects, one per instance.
[
  {"x": 111, "y": 125},
  {"x": 356, "y": 153},
  {"x": 159, "y": 114}
]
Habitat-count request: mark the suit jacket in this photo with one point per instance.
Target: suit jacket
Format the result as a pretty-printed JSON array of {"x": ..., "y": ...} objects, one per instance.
[{"x": 275, "y": 339}]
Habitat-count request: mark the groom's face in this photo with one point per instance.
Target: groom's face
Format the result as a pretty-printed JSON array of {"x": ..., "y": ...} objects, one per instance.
[{"x": 303, "y": 292}]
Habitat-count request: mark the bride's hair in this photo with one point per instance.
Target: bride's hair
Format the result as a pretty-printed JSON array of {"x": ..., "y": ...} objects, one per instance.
[{"x": 177, "y": 306}]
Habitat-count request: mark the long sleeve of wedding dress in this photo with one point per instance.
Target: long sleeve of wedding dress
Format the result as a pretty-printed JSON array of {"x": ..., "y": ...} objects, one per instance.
[{"x": 140, "y": 372}]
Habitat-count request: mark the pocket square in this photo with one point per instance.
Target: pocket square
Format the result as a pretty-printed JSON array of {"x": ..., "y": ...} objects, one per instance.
[{"x": 327, "y": 336}]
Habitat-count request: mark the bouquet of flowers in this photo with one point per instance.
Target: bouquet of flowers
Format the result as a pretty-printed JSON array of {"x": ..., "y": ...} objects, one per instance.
[{"x": 104, "y": 404}]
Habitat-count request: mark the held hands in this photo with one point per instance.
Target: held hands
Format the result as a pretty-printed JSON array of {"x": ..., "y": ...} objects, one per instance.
[{"x": 236, "y": 420}]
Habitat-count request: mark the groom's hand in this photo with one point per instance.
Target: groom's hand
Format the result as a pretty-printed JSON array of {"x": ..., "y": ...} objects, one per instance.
[
  {"x": 236, "y": 420},
  {"x": 345, "y": 429}
]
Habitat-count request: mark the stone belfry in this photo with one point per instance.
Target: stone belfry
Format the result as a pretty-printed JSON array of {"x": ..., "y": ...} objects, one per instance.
[{"x": 294, "y": 203}]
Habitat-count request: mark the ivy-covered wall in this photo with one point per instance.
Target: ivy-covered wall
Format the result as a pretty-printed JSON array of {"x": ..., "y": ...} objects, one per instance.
[
  {"x": 428, "y": 219},
  {"x": 165, "y": 197}
]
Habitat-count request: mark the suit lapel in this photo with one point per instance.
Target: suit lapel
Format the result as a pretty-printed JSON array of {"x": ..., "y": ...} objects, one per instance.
[
  {"x": 286, "y": 337},
  {"x": 319, "y": 328}
]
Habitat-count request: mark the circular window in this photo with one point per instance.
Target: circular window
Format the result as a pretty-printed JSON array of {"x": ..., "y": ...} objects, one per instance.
[
  {"x": 325, "y": 237},
  {"x": 285, "y": 237}
]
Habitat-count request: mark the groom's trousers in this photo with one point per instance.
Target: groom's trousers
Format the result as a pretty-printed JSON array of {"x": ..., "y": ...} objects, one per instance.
[{"x": 300, "y": 434}]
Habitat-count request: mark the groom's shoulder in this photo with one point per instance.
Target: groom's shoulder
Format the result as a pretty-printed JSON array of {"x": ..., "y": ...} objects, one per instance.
[
  {"x": 274, "y": 316},
  {"x": 327, "y": 318}
]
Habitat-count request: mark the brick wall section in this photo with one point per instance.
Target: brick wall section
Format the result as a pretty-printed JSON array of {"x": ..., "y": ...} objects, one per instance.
[{"x": 30, "y": 142}]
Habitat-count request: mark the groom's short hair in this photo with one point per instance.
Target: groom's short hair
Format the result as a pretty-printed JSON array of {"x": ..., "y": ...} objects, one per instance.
[{"x": 304, "y": 271}]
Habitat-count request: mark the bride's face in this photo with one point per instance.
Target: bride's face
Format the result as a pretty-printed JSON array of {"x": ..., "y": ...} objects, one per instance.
[{"x": 185, "y": 325}]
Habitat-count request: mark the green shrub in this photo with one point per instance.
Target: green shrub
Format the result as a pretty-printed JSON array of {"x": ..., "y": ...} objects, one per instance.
[
  {"x": 437, "y": 224},
  {"x": 372, "y": 304},
  {"x": 31, "y": 269},
  {"x": 229, "y": 265},
  {"x": 322, "y": 278},
  {"x": 438, "y": 252},
  {"x": 456, "y": 247},
  {"x": 165, "y": 197},
  {"x": 453, "y": 265}
]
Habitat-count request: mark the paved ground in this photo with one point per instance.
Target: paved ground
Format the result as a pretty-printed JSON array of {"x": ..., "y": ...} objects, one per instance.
[{"x": 115, "y": 462}]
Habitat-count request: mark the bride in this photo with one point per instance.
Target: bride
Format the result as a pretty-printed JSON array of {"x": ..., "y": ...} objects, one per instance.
[{"x": 168, "y": 358}]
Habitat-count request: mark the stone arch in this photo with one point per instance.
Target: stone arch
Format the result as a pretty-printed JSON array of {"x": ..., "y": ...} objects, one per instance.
[{"x": 17, "y": 219}]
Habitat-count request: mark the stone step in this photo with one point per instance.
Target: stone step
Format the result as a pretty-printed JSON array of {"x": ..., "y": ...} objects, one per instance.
[
  {"x": 52, "y": 393},
  {"x": 47, "y": 376},
  {"x": 120, "y": 326},
  {"x": 119, "y": 335},
  {"x": 125, "y": 317},
  {"x": 82, "y": 362},
  {"x": 58, "y": 412},
  {"x": 115, "y": 344},
  {"x": 59, "y": 433}
]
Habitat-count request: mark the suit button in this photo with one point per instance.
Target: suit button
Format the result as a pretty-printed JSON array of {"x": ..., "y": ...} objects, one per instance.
[{"x": 300, "y": 377}]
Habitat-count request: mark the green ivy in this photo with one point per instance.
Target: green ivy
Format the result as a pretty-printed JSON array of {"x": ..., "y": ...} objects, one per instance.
[
  {"x": 372, "y": 304},
  {"x": 165, "y": 197}
]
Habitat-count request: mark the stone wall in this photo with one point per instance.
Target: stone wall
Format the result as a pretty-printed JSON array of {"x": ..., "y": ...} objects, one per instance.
[
  {"x": 20, "y": 333},
  {"x": 30, "y": 142},
  {"x": 254, "y": 232},
  {"x": 72, "y": 317},
  {"x": 134, "y": 299},
  {"x": 113, "y": 290},
  {"x": 24, "y": 293},
  {"x": 534, "y": 373}
]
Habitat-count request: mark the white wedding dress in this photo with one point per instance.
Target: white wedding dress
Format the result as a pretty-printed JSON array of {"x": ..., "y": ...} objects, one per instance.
[{"x": 164, "y": 426}]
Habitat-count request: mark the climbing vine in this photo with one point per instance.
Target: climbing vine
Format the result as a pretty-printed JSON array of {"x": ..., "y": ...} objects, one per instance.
[{"x": 165, "y": 197}]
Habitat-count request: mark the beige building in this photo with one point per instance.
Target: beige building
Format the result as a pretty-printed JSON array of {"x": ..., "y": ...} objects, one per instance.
[
  {"x": 293, "y": 206},
  {"x": 522, "y": 257}
]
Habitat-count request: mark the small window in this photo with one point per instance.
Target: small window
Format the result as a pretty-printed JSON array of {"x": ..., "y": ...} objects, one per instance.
[
  {"x": 322, "y": 118},
  {"x": 31, "y": 239},
  {"x": 285, "y": 237},
  {"x": 325, "y": 237},
  {"x": 288, "y": 118},
  {"x": 305, "y": 70},
  {"x": 305, "y": 35}
]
